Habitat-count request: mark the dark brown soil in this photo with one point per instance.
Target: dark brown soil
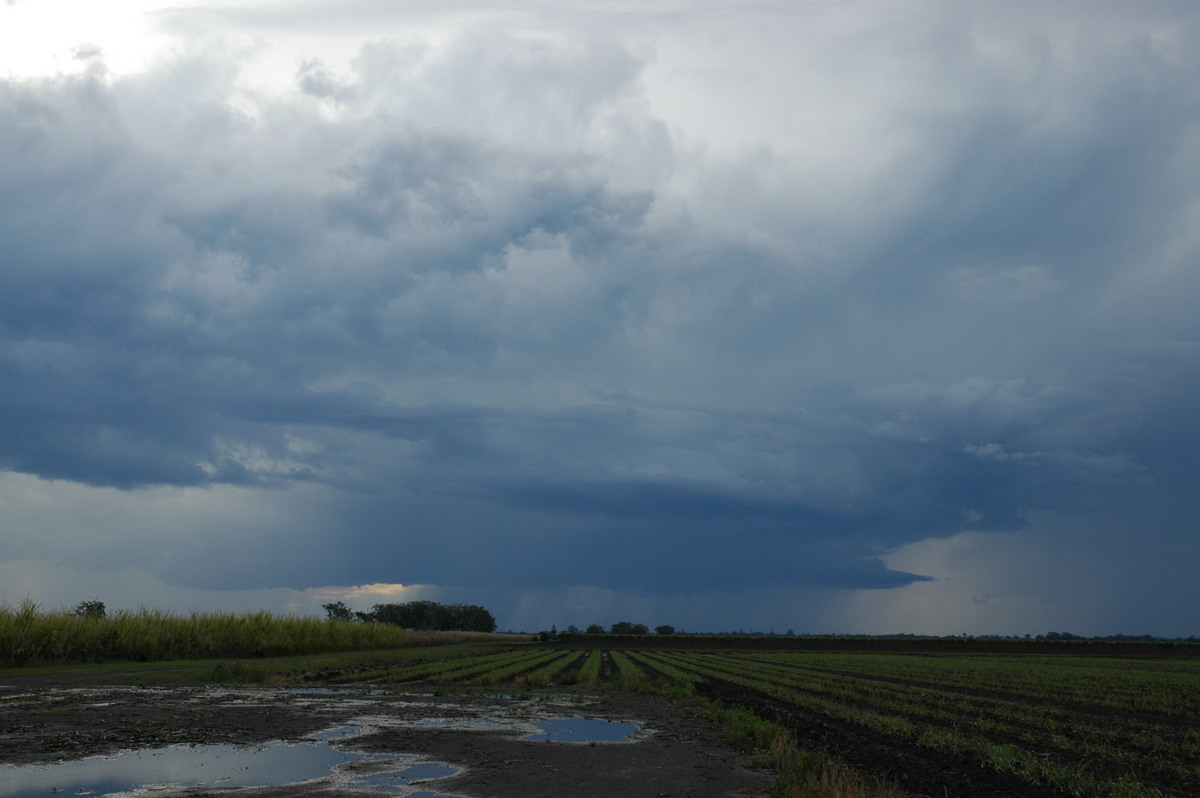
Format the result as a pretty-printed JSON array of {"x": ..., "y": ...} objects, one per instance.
[{"x": 43, "y": 722}]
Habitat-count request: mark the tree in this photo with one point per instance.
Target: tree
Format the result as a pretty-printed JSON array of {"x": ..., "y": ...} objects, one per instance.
[
  {"x": 594, "y": 629},
  {"x": 90, "y": 609},
  {"x": 627, "y": 628},
  {"x": 474, "y": 618},
  {"x": 665, "y": 629},
  {"x": 337, "y": 611},
  {"x": 429, "y": 615}
]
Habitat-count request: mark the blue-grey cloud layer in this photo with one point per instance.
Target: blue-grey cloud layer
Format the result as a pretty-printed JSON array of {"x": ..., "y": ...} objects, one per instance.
[{"x": 529, "y": 333}]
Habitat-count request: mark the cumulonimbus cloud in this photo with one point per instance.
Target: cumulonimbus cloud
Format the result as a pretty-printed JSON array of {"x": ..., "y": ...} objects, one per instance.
[{"x": 494, "y": 293}]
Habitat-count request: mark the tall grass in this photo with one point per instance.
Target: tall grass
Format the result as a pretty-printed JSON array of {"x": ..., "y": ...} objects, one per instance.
[{"x": 31, "y": 637}]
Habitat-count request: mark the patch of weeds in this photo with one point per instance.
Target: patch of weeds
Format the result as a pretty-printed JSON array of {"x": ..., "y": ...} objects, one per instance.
[
  {"x": 681, "y": 691},
  {"x": 743, "y": 729},
  {"x": 799, "y": 773}
]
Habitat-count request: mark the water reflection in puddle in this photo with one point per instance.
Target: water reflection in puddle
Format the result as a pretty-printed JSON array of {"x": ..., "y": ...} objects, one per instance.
[
  {"x": 270, "y": 765},
  {"x": 584, "y": 730},
  {"x": 393, "y": 781}
]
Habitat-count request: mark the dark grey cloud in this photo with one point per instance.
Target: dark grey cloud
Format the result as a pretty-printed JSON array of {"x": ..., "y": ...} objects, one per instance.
[{"x": 515, "y": 327}]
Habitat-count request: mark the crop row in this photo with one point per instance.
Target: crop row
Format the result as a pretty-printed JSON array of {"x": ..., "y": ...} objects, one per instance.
[
  {"x": 1160, "y": 686},
  {"x": 519, "y": 665},
  {"x": 1103, "y": 728},
  {"x": 454, "y": 664},
  {"x": 1026, "y": 736},
  {"x": 1028, "y": 718}
]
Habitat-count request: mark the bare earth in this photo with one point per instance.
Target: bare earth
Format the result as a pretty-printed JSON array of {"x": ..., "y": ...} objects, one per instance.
[{"x": 678, "y": 754}]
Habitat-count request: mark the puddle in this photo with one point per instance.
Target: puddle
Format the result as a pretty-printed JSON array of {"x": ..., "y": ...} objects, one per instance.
[
  {"x": 393, "y": 782},
  {"x": 584, "y": 730},
  {"x": 270, "y": 765}
]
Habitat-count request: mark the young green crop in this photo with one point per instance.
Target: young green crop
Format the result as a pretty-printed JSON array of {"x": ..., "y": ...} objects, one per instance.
[
  {"x": 681, "y": 682},
  {"x": 474, "y": 668},
  {"x": 589, "y": 672},
  {"x": 530, "y": 662},
  {"x": 555, "y": 668},
  {"x": 1087, "y": 746},
  {"x": 422, "y": 663},
  {"x": 630, "y": 675}
]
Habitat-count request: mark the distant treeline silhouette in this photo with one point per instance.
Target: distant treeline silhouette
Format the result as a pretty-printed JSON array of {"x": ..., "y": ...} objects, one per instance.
[{"x": 424, "y": 615}]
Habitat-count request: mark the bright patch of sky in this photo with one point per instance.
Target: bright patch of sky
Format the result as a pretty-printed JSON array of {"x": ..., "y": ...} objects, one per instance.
[{"x": 48, "y": 37}]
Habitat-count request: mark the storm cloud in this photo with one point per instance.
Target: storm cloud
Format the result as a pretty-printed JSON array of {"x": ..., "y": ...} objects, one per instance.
[{"x": 699, "y": 301}]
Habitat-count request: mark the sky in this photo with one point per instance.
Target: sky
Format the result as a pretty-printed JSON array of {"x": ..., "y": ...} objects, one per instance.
[{"x": 831, "y": 316}]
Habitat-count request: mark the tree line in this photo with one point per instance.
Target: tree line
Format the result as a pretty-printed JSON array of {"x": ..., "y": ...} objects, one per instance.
[
  {"x": 623, "y": 628},
  {"x": 423, "y": 615}
]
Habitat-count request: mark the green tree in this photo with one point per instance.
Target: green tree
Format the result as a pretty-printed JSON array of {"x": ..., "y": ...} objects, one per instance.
[
  {"x": 429, "y": 615},
  {"x": 90, "y": 609},
  {"x": 628, "y": 628},
  {"x": 474, "y": 618},
  {"x": 664, "y": 629},
  {"x": 337, "y": 611}
]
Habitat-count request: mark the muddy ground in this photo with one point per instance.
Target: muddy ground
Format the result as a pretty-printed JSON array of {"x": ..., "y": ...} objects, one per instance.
[{"x": 676, "y": 753}]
